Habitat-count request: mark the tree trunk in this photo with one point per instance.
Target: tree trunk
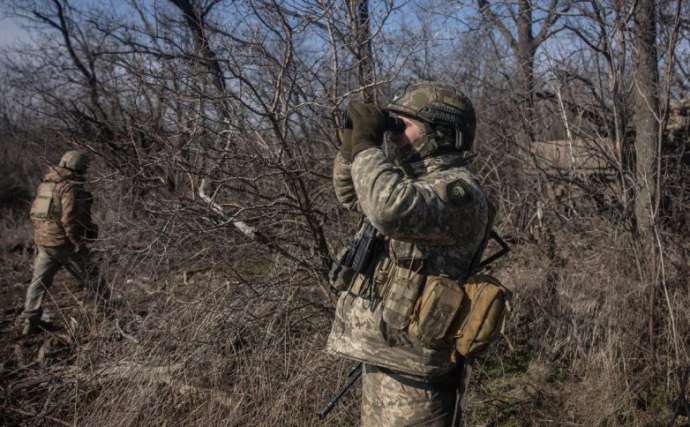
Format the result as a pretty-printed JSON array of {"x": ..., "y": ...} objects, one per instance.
[
  {"x": 195, "y": 20},
  {"x": 359, "y": 10},
  {"x": 526, "y": 49},
  {"x": 646, "y": 115}
]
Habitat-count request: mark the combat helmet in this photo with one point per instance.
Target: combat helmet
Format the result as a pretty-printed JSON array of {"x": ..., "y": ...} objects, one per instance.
[
  {"x": 75, "y": 160},
  {"x": 441, "y": 107}
]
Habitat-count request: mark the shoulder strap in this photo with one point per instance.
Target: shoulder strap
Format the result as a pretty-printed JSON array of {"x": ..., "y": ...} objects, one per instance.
[{"x": 491, "y": 213}]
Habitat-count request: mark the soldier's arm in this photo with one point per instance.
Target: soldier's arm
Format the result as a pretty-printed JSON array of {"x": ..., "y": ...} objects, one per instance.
[
  {"x": 91, "y": 229},
  {"x": 343, "y": 185},
  {"x": 404, "y": 208},
  {"x": 69, "y": 216},
  {"x": 76, "y": 213}
]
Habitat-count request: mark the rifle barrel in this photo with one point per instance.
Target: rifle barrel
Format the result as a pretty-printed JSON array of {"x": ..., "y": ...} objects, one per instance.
[{"x": 354, "y": 374}]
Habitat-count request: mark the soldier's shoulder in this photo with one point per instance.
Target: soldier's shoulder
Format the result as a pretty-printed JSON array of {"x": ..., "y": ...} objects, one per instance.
[
  {"x": 458, "y": 186},
  {"x": 73, "y": 187},
  {"x": 367, "y": 155}
]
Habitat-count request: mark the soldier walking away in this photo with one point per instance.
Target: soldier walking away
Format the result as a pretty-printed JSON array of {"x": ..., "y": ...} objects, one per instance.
[
  {"x": 398, "y": 309},
  {"x": 62, "y": 224}
]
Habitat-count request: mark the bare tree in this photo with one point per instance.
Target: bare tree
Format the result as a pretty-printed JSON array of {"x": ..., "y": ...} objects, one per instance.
[
  {"x": 361, "y": 32},
  {"x": 524, "y": 43},
  {"x": 647, "y": 115},
  {"x": 213, "y": 122}
]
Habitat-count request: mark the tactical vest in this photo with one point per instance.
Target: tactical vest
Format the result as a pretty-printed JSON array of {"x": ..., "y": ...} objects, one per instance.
[
  {"x": 405, "y": 317},
  {"x": 44, "y": 206},
  {"x": 417, "y": 324},
  {"x": 372, "y": 319}
]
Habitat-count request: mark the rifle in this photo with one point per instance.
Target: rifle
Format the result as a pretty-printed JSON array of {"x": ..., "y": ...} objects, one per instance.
[
  {"x": 356, "y": 260},
  {"x": 362, "y": 249},
  {"x": 352, "y": 376}
]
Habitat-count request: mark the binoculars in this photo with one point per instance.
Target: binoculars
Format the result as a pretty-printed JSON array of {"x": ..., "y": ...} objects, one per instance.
[{"x": 391, "y": 122}]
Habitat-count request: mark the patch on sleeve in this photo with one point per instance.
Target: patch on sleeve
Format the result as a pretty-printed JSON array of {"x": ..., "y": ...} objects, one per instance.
[{"x": 459, "y": 192}]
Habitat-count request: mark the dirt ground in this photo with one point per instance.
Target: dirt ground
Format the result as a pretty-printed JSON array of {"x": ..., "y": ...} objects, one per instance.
[
  {"x": 119, "y": 365},
  {"x": 28, "y": 385}
]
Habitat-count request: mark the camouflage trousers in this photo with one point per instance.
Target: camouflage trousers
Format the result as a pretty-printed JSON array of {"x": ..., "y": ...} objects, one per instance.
[
  {"x": 391, "y": 399},
  {"x": 47, "y": 263}
]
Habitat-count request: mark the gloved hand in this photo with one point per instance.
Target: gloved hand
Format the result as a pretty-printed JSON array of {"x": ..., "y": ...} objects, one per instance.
[
  {"x": 346, "y": 147},
  {"x": 367, "y": 126}
]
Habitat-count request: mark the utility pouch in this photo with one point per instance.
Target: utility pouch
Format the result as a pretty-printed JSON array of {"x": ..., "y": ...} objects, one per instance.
[
  {"x": 436, "y": 309},
  {"x": 43, "y": 206},
  {"x": 400, "y": 297},
  {"x": 481, "y": 316}
]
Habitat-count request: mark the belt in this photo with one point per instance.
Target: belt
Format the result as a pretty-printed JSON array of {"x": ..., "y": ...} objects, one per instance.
[{"x": 446, "y": 382}]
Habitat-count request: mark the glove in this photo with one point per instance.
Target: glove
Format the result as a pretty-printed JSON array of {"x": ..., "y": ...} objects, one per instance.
[
  {"x": 346, "y": 147},
  {"x": 368, "y": 125}
]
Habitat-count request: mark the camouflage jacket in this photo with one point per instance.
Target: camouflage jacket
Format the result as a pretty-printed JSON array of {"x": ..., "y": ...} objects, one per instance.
[
  {"x": 61, "y": 211},
  {"x": 434, "y": 215}
]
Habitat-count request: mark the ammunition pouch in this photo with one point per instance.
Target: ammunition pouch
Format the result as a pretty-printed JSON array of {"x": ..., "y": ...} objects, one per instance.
[
  {"x": 415, "y": 323},
  {"x": 400, "y": 295},
  {"x": 436, "y": 310},
  {"x": 418, "y": 311},
  {"x": 440, "y": 312},
  {"x": 483, "y": 315}
]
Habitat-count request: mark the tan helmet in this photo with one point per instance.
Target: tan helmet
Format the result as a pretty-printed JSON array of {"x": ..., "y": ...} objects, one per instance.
[
  {"x": 75, "y": 160},
  {"x": 438, "y": 105}
]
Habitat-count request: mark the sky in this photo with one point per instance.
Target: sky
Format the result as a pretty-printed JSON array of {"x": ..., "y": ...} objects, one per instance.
[{"x": 10, "y": 32}]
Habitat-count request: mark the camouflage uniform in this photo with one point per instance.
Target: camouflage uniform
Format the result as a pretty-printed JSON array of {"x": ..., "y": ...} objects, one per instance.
[
  {"x": 434, "y": 217},
  {"x": 61, "y": 218}
]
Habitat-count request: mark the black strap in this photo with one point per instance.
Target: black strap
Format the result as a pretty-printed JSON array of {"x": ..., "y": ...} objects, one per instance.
[
  {"x": 449, "y": 381},
  {"x": 488, "y": 233}
]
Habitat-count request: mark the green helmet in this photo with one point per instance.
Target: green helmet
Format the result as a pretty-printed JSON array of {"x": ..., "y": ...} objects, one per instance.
[
  {"x": 440, "y": 106},
  {"x": 76, "y": 161}
]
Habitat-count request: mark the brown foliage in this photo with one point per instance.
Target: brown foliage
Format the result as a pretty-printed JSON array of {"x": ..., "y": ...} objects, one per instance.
[{"x": 212, "y": 130}]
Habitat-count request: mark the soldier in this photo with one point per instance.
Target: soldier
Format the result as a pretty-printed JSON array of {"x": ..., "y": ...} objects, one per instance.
[
  {"x": 61, "y": 218},
  {"x": 433, "y": 219}
]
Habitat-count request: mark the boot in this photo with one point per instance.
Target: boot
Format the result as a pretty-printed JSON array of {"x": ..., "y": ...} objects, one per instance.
[{"x": 26, "y": 327}]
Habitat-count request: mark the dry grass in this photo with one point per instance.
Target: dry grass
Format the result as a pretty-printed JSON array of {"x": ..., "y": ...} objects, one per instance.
[
  {"x": 210, "y": 329},
  {"x": 206, "y": 352},
  {"x": 584, "y": 352}
]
